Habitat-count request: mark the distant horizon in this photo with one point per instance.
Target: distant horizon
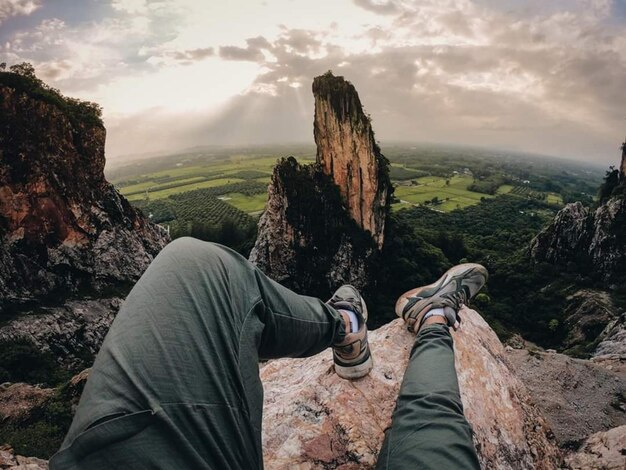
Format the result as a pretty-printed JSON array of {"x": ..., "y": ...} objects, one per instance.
[
  {"x": 128, "y": 159},
  {"x": 530, "y": 76}
]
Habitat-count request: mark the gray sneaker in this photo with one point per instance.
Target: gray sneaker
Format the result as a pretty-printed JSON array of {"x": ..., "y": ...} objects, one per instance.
[
  {"x": 352, "y": 356},
  {"x": 455, "y": 288}
]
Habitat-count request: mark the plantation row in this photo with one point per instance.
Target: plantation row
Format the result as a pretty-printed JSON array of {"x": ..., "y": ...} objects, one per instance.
[
  {"x": 193, "y": 206},
  {"x": 249, "y": 188},
  {"x": 527, "y": 192}
]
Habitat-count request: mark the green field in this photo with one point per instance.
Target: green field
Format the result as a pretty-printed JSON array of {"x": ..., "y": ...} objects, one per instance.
[
  {"x": 155, "y": 194},
  {"x": 451, "y": 196},
  {"x": 165, "y": 183},
  {"x": 250, "y": 204},
  {"x": 240, "y": 180}
]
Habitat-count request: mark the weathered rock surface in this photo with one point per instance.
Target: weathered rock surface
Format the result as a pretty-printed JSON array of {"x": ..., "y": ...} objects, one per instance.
[
  {"x": 577, "y": 397},
  {"x": 9, "y": 460},
  {"x": 588, "y": 312},
  {"x": 602, "y": 451},
  {"x": 596, "y": 239},
  {"x": 18, "y": 401},
  {"x": 314, "y": 419},
  {"x": 324, "y": 223},
  {"x": 349, "y": 154},
  {"x": 73, "y": 332},
  {"x": 63, "y": 228}
]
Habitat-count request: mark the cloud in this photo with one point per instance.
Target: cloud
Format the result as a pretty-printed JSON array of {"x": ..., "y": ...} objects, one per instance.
[
  {"x": 130, "y": 6},
  {"x": 382, "y": 8},
  {"x": 9, "y": 8},
  {"x": 194, "y": 54},
  {"x": 533, "y": 75},
  {"x": 252, "y": 52},
  {"x": 458, "y": 72}
]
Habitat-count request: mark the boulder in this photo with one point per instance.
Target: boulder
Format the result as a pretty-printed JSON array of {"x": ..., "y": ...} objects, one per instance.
[
  {"x": 602, "y": 451},
  {"x": 313, "y": 419}
]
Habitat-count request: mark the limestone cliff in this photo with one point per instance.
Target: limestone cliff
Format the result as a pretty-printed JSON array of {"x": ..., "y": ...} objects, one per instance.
[
  {"x": 349, "y": 154},
  {"x": 324, "y": 223},
  {"x": 63, "y": 228},
  {"x": 593, "y": 239}
]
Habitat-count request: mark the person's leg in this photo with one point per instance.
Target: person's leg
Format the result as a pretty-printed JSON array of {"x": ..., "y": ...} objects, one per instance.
[
  {"x": 176, "y": 383},
  {"x": 429, "y": 430}
]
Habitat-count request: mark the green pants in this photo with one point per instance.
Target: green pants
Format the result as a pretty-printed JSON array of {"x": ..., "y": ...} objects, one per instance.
[{"x": 176, "y": 383}]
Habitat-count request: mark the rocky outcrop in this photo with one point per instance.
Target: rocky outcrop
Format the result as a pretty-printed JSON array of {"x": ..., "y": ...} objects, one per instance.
[
  {"x": 324, "y": 223},
  {"x": 63, "y": 228},
  {"x": 594, "y": 240},
  {"x": 602, "y": 451},
  {"x": 349, "y": 154},
  {"x": 313, "y": 419},
  {"x": 561, "y": 240},
  {"x": 587, "y": 313},
  {"x": 9, "y": 460},
  {"x": 72, "y": 332},
  {"x": 577, "y": 397}
]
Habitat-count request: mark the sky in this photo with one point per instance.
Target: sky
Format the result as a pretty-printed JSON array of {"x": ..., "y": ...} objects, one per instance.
[{"x": 537, "y": 76}]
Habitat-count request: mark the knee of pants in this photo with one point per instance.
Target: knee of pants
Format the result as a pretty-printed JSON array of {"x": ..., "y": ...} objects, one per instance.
[{"x": 194, "y": 255}]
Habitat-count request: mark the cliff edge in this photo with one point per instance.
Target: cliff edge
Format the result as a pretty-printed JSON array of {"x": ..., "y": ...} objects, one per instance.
[{"x": 63, "y": 228}]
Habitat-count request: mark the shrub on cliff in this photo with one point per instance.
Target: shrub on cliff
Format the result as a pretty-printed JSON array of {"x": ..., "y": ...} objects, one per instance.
[
  {"x": 22, "y": 361},
  {"x": 21, "y": 77}
]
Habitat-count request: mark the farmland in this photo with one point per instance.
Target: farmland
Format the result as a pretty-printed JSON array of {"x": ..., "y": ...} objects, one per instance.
[{"x": 209, "y": 193}]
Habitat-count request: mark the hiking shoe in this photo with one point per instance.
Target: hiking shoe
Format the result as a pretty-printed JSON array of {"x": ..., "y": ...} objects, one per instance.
[
  {"x": 351, "y": 356},
  {"x": 454, "y": 289}
]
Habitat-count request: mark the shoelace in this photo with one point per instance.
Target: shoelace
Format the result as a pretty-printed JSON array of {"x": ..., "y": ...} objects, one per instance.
[{"x": 459, "y": 297}]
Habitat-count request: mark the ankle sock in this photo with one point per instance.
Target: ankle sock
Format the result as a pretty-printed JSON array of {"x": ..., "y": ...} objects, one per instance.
[
  {"x": 439, "y": 312},
  {"x": 354, "y": 321}
]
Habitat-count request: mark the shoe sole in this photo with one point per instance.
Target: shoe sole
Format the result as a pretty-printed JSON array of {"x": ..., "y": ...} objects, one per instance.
[
  {"x": 452, "y": 272},
  {"x": 355, "y": 372}
]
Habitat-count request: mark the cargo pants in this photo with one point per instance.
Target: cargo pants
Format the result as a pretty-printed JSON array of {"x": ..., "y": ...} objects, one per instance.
[{"x": 176, "y": 383}]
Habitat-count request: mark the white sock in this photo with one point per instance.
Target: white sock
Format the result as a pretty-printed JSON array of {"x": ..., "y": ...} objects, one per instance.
[
  {"x": 354, "y": 321},
  {"x": 438, "y": 312}
]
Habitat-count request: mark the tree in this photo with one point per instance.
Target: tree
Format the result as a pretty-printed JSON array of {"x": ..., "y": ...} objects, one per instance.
[
  {"x": 3, "y": 66},
  {"x": 24, "y": 69}
]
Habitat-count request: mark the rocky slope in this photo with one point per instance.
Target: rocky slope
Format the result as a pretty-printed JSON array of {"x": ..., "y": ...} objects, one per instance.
[
  {"x": 324, "y": 223},
  {"x": 577, "y": 397},
  {"x": 72, "y": 333},
  {"x": 313, "y": 419},
  {"x": 63, "y": 228}
]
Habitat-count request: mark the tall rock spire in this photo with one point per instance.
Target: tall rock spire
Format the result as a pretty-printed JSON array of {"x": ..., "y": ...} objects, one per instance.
[
  {"x": 324, "y": 223},
  {"x": 348, "y": 153}
]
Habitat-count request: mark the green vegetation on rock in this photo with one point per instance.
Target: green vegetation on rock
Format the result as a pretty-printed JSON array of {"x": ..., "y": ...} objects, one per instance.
[{"x": 22, "y": 78}]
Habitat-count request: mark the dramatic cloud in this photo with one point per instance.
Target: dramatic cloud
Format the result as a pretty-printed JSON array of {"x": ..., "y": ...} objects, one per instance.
[
  {"x": 538, "y": 76},
  {"x": 9, "y": 8}
]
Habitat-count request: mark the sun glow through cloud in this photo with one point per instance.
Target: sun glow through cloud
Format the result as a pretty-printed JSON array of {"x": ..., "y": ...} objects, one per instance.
[{"x": 536, "y": 76}]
